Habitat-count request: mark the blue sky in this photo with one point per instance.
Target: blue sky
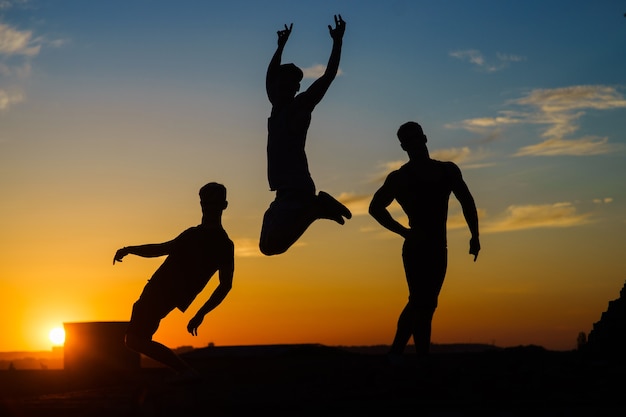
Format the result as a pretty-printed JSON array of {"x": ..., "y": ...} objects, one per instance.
[{"x": 113, "y": 113}]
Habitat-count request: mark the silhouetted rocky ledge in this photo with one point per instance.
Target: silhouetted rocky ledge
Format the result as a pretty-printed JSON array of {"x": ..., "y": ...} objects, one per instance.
[
  {"x": 607, "y": 339},
  {"x": 317, "y": 380}
]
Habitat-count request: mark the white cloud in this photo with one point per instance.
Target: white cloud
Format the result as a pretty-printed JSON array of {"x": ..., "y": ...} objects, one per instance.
[
  {"x": 576, "y": 147},
  {"x": 17, "y": 49},
  {"x": 457, "y": 220},
  {"x": 559, "y": 100},
  {"x": 16, "y": 42},
  {"x": 384, "y": 169},
  {"x": 8, "y": 4},
  {"x": 559, "y": 111},
  {"x": 7, "y": 99},
  {"x": 606, "y": 200},
  {"x": 482, "y": 124},
  {"x": 249, "y": 248},
  {"x": 245, "y": 248},
  {"x": 358, "y": 204},
  {"x": 476, "y": 58},
  {"x": 317, "y": 71},
  {"x": 464, "y": 156},
  {"x": 536, "y": 216}
]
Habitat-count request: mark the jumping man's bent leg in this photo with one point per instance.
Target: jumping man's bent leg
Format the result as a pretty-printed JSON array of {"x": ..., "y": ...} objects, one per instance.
[
  {"x": 291, "y": 214},
  {"x": 285, "y": 221}
]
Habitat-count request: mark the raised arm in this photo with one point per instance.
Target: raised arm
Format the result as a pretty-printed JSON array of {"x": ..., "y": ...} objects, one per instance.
[
  {"x": 317, "y": 90},
  {"x": 283, "y": 36},
  {"x": 151, "y": 250},
  {"x": 378, "y": 210},
  {"x": 226, "y": 283},
  {"x": 462, "y": 193}
]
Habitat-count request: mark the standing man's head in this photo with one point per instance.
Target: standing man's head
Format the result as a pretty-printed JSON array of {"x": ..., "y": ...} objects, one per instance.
[
  {"x": 213, "y": 198},
  {"x": 413, "y": 140}
]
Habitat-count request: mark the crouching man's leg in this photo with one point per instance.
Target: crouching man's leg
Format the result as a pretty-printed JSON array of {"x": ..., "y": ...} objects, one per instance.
[{"x": 144, "y": 322}]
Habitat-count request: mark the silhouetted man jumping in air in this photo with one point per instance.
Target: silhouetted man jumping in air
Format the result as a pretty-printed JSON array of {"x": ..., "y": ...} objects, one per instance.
[
  {"x": 192, "y": 259},
  {"x": 422, "y": 187},
  {"x": 296, "y": 205}
]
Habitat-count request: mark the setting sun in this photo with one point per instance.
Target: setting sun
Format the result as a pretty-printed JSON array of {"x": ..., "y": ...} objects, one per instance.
[{"x": 57, "y": 336}]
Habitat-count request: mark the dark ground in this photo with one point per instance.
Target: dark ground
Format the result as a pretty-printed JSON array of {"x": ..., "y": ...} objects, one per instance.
[{"x": 315, "y": 380}]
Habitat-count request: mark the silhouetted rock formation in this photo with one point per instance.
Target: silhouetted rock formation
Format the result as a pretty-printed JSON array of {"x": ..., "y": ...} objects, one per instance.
[{"x": 608, "y": 337}]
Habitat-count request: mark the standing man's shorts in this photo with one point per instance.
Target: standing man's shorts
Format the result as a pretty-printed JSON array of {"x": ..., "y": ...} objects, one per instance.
[{"x": 425, "y": 268}]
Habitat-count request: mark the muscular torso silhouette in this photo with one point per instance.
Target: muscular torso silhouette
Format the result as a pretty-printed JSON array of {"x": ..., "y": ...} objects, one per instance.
[{"x": 422, "y": 187}]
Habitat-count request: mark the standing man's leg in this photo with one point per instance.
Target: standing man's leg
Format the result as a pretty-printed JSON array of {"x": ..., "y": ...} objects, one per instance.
[
  {"x": 404, "y": 331},
  {"x": 414, "y": 321},
  {"x": 425, "y": 269}
]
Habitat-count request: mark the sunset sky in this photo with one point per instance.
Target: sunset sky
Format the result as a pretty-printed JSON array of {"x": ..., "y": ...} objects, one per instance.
[{"x": 114, "y": 113}]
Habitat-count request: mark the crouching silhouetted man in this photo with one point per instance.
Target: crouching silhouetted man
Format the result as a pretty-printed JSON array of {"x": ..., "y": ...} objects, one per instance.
[
  {"x": 422, "y": 187},
  {"x": 192, "y": 259}
]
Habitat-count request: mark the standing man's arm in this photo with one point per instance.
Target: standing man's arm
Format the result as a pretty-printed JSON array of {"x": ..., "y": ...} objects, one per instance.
[
  {"x": 317, "y": 90},
  {"x": 378, "y": 210},
  {"x": 226, "y": 283},
  {"x": 270, "y": 76},
  {"x": 462, "y": 193}
]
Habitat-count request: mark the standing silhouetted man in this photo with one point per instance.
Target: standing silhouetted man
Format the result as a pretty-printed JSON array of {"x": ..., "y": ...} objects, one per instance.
[
  {"x": 296, "y": 206},
  {"x": 192, "y": 259},
  {"x": 422, "y": 187}
]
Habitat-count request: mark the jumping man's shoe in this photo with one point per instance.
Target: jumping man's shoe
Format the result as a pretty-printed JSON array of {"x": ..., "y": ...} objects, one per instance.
[{"x": 333, "y": 209}]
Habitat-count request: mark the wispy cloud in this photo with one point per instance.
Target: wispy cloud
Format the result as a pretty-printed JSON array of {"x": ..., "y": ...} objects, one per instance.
[
  {"x": 249, "y": 248},
  {"x": 559, "y": 100},
  {"x": 358, "y": 204},
  {"x": 17, "y": 49},
  {"x": 463, "y": 156},
  {"x": 514, "y": 218},
  {"x": 317, "y": 71},
  {"x": 8, "y": 98},
  {"x": 588, "y": 145},
  {"x": 17, "y": 42},
  {"x": 559, "y": 110},
  {"x": 456, "y": 220},
  {"x": 476, "y": 58},
  {"x": 605, "y": 200},
  {"x": 384, "y": 169},
  {"x": 246, "y": 248},
  {"x": 522, "y": 217},
  {"x": 9, "y": 4}
]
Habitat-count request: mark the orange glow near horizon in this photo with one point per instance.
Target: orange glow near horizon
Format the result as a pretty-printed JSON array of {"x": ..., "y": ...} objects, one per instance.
[
  {"x": 323, "y": 292},
  {"x": 327, "y": 291}
]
